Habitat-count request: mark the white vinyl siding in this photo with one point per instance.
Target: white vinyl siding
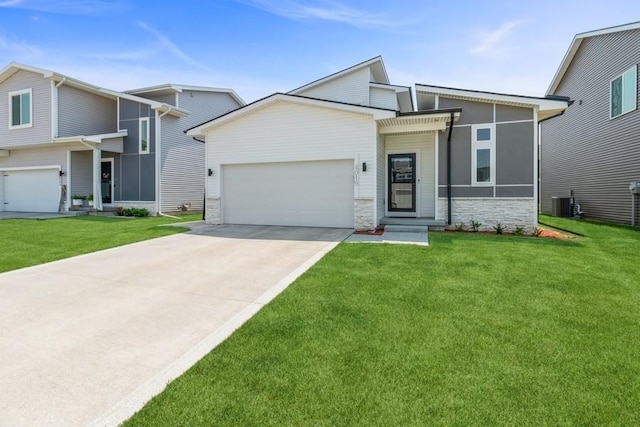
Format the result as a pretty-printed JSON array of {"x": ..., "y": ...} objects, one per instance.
[
  {"x": 384, "y": 98},
  {"x": 483, "y": 155},
  {"x": 624, "y": 92},
  {"x": 20, "y": 109},
  {"x": 289, "y": 132},
  {"x": 424, "y": 146},
  {"x": 39, "y": 131},
  {"x": 352, "y": 88}
]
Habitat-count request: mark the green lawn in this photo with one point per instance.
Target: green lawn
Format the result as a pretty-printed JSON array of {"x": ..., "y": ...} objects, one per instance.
[
  {"x": 473, "y": 330},
  {"x": 26, "y": 242}
]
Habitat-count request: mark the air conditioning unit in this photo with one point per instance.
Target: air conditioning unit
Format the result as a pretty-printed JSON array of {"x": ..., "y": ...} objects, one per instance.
[{"x": 561, "y": 206}]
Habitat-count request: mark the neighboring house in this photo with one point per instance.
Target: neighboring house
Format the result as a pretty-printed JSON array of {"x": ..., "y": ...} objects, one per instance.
[
  {"x": 351, "y": 150},
  {"x": 65, "y": 137},
  {"x": 592, "y": 152}
]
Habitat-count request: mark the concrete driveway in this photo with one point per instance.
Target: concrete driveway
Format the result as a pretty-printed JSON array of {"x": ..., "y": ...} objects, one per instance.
[{"x": 88, "y": 340}]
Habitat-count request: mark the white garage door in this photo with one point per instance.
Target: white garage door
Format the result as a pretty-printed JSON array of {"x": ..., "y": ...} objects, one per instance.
[
  {"x": 34, "y": 190},
  {"x": 313, "y": 194}
]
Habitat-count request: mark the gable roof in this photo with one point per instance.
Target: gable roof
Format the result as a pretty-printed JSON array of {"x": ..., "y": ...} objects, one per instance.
[
  {"x": 175, "y": 88},
  {"x": 575, "y": 45},
  {"x": 547, "y": 106},
  {"x": 14, "y": 67},
  {"x": 199, "y": 130},
  {"x": 377, "y": 68}
]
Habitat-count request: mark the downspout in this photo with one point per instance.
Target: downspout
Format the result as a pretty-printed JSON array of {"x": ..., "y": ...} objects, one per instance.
[
  {"x": 159, "y": 160},
  {"x": 449, "y": 170}
]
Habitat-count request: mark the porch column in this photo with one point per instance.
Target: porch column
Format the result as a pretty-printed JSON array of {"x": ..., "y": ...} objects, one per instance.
[{"x": 97, "y": 179}]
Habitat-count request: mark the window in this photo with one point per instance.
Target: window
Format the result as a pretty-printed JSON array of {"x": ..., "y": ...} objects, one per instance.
[
  {"x": 483, "y": 161},
  {"x": 20, "y": 109},
  {"x": 624, "y": 92},
  {"x": 144, "y": 135}
]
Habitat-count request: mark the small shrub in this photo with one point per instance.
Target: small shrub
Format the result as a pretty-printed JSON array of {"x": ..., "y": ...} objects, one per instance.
[
  {"x": 90, "y": 197},
  {"x": 460, "y": 227},
  {"x": 475, "y": 225},
  {"x": 119, "y": 211},
  {"x": 537, "y": 232},
  {"x": 78, "y": 197},
  {"x": 137, "y": 212},
  {"x": 499, "y": 228},
  {"x": 518, "y": 231}
]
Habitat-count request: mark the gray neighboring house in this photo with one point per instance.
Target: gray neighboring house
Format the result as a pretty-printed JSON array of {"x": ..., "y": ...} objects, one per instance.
[
  {"x": 352, "y": 150},
  {"x": 593, "y": 150},
  {"x": 65, "y": 137}
]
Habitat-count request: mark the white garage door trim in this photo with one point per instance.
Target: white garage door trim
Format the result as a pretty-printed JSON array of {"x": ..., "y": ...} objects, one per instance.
[
  {"x": 305, "y": 193},
  {"x": 45, "y": 197}
]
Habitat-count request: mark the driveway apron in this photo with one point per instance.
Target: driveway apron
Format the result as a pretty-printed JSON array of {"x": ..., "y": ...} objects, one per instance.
[{"x": 88, "y": 340}]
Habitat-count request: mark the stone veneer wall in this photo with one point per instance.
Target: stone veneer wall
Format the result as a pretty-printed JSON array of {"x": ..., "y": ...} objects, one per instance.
[
  {"x": 213, "y": 212},
  {"x": 364, "y": 210},
  {"x": 511, "y": 213}
]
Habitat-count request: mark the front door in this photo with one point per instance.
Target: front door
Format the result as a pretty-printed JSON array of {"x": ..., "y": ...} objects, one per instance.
[
  {"x": 402, "y": 183},
  {"x": 106, "y": 180}
]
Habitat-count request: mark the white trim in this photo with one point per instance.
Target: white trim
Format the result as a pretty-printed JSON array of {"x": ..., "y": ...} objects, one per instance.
[
  {"x": 377, "y": 113},
  {"x": 158, "y": 155},
  {"x": 436, "y": 169},
  {"x": 536, "y": 145},
  {"x": 27, "y": 168},
  {"x": 494, "y": 113},
  {"x": 180, "y": 88},
  {"x": 68, "y": 179},
  {"x": 118, "y": 114},
  {"x": 148, "y": 133},
  {"x": 479, "y": 145},
  {"x": 113, "y": 169},
  {"x": 418, "y": 211},
  {"x": 10, "y": 108},
  {"x": 54, "y": 110},
  {"x": 635, "y": 81}
]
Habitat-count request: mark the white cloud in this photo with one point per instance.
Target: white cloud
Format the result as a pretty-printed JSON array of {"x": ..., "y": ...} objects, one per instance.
[
  {"x": 167, "y": 44},
  {"x": 494, "y": 43},
  {"x": 18, "y": 47},
  {"x": 325, "y": 10},
  {"x": 65, "y": 7}
]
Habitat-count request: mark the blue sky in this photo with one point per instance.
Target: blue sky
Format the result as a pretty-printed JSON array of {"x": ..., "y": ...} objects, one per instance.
[{"x": 258, "y": 47}]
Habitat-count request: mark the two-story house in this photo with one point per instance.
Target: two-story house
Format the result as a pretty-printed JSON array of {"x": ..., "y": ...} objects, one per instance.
[
  {"x": 351, "y": 150},
  {"x": 592, "y": 152},
  {"x": 63, "y": 137}
]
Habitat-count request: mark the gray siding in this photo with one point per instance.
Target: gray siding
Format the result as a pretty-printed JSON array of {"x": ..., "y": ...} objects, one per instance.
[
  {"x": 585, "y": 151},
  {"x": 514, "y": 150},
  {"x": 182, "y": 158},
  {"x": 135, "y": 180},
  {"x": 40, "y": 132},
  {"x": 472, "y": 112},
  {"x": 167, "y": 98},
  {"x": 83, "y": 113},
  {"x": 81, "y": 173}
]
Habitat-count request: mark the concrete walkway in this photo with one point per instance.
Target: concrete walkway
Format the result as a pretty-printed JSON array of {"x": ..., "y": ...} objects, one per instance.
[{"x": 88, "y": 340}]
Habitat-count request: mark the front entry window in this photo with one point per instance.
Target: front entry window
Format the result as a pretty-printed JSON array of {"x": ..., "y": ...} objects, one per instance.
[
  {"x": 105, "y": 181},
  {"x": 402, "y": 183}
]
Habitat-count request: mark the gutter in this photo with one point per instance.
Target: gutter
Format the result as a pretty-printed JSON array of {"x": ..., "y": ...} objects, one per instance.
[{"x": 449, "y": 169}]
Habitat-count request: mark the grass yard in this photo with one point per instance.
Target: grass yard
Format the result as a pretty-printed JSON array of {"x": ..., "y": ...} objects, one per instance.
[
  {"x": 26, "y": 242},
  {"x": 473, "y": 330}
]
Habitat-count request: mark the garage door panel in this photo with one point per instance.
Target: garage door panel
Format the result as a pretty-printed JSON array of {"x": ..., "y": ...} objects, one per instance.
[
  {"x": 33, "y": 190},
  {"x": 318, "y": 194}
]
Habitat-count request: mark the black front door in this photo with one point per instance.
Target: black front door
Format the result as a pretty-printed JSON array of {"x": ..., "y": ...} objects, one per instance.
[
  {"x": 402, "y": 183},
  {"x": 106, "y": 179}
]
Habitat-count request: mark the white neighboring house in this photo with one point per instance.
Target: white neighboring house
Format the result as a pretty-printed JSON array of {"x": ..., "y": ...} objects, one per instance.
[
  {"x": 63, "y": 137},
  {"x": 350, "y": 150}
]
